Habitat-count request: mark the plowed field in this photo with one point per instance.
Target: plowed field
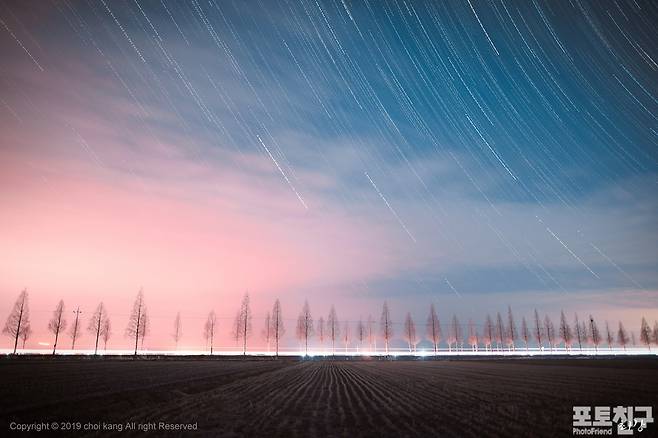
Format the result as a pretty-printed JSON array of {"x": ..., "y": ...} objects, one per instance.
[{"x": 287, "y": 397}]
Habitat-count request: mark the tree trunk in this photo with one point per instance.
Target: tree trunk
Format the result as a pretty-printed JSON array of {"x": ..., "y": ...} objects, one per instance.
[
  {"x": 137, "y": 331},
  {"x": 55, "y": 344},
  {"x": 244, "y": 335},
  {"x": 98, "y": 332},
  {"x": 18, "y": 329}
]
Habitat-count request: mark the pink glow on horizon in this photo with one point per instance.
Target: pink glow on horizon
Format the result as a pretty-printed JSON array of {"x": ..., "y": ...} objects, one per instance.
[{"x": 85, "y": 234}]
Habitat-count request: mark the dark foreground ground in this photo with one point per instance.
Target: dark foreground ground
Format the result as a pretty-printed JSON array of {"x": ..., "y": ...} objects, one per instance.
[{"x": 289, "y": 397}]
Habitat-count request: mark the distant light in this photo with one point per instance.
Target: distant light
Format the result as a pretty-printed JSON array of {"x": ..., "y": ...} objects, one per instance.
[{"x": 45, "y": 344}]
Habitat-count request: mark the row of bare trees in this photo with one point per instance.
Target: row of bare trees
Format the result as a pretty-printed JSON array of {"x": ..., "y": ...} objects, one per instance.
[
  {"x": 18, "y": 324},
  {"x": 499, "y": 333},
  {"x": 495, "y": 334}
]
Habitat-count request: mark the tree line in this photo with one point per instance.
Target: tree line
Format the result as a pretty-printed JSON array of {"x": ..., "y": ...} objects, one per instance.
[{"x": 495, "y": 334}]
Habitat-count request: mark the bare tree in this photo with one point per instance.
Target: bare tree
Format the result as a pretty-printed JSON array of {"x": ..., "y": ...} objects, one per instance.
[
  {"x": 75, "y": 328},
  {"x": 565, "y": 331},
  {"x": 386, "y": 326},
  {"x": 97, "y": 324},
  {"x": 371, "y": 333},
  {"x": 550, "y": 331},
  {"x": 235, "y": 331},
  {"x": 622, "y": 337},
  {"x": 410, "y": 332},
  {"x": 360, "y": 333},
  {"x": 299, "y": 330},
  {"x": 277, "y": 325},
  {"x": 500, "y": 331},
  {"x": 135, "y": 322},
  {"x": 655, "y": 332},
  {"x": 209, "y": 329},
  {"x": 244, "y": 322},
  {"x": 18, "y": 319},
  {"x": 487, "y": 333},
  {"x": 580, "y": 333},
  {"x": 538, "y": 330},
  {"x": 57, "y": 323},
  {"x": 455, "y": 333},
  {"x": 583, "y": 331},
  {"x": 346, "y": 334},
  {"x": 472, "y": 335},
  {"x": 305, "y": 326},
  {"x": 106, "y": 332},
  {"x": 633, "y": 343},
  {"x": 512, "y": 334},
  {"x": 333, "y": 328},
  {"x": 25, "y": 335},
  {"x": 645, "y": 333},
  {"x": 434, "y": 328},
  {"x": 178, "y": 330},
  {"x": 267, "y": 330},
  {"x": 321, "y": 331},
  {"x": 594, "y": 335},
  {"x": 525, "y": 333},
  {"x": 608, "y": 336}
]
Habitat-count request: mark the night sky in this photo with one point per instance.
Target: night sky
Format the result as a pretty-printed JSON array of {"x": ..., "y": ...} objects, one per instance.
[{"x": 469, "y": 153}]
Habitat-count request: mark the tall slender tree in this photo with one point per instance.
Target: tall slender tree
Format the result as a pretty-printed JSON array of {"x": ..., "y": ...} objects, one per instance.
[
  {"x": 372, "y": 339},
  {"x": 655, "y": 332},
  {"x": 622, "y": 337},
  {"x": 57, "y": 323},
  {"x": 386, "y": 326},
  {"x": 347, "y": 333},
  {"x": 455, "y": 332},
  {"x": 538, "y": 331},
  {"x": 178, "y": 330},
  {"x": 512, "y": 334},
  {"x": 608, "y": 336},
  {"x": 321, "y": 331},
  {"x": 97, "y": 324},
  {"x": 277, "y": 325},
  {"x": 500, "y": 331},
  {"x": 580, "y": 333},
  {"x": 550, "y": 331},
  {"x": 135, "y": 322},
  {"x": 237, "y": 329},
  {"x": 565, "y": 331},
  {"x": 18, "y": 319},
  {"x": 488, "y": 333},
  {"x": 410, "y": 332},
  {"x": 267, "y": 330},
  {"x": 583, "y": 331},
  {"x": 75, "y": 328},
  {"x": 645, "y": 333},
  {"x": 305, "y": 326},
  {"x": 244, "y": 328},
  {"x": 472, "y": 335},
  {"x": 434, "y": 329},
  {"x": 360, "y": 334},
  {"x": 594, "y": 335},
  {"x": 333, "y": 328},
  {"x": 525, "y": 333},
  {"x": 209, "y": 330}
]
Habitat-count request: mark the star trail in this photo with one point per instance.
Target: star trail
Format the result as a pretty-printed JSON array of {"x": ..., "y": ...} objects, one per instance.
[{"x": 474, "y": 152}]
